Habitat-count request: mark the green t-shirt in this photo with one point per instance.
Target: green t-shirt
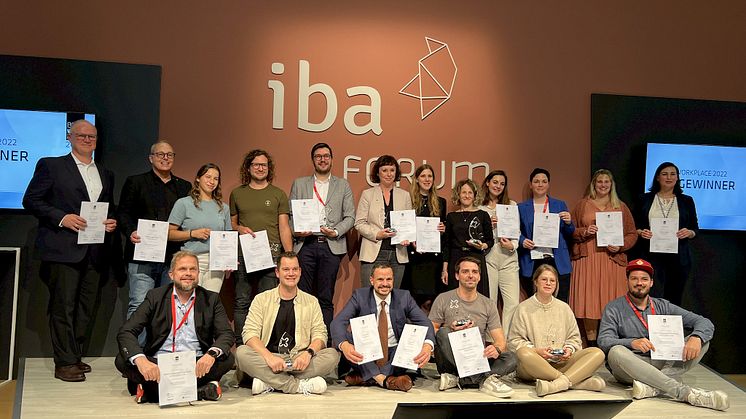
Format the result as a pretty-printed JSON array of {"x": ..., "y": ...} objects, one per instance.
[{"x": 259, "y": 209}]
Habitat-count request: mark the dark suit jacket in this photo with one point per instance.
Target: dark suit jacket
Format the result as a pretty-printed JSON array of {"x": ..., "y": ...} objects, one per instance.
[
  {"x": 687, "y": 219},
  {"x": 154, "y": 316},
  {"x": 143, "y": 197},
  {"x": 403, "y": 310},
  {"x": 561, "y": 254},
  {"x": 57, "y": 189}
]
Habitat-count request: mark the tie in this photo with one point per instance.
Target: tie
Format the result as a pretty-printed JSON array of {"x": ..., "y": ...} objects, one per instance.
[{"x": 383, "y": 334}]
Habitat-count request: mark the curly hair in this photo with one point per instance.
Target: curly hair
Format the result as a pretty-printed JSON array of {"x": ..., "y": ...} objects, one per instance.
[
  {"x": 245, "y": 170},
  {"x": 503, "y": 198},
  {"x": 456, "y": 191},
  {"x": 217, "y": 194},
  {"x": 432, "y": 196},
  {"x": 384, "y": 160}
]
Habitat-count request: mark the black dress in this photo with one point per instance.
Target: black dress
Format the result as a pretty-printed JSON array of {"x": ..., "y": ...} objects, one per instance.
[
  {"x": 422, "y": 274},
  {"x": 460, "y": 227}
]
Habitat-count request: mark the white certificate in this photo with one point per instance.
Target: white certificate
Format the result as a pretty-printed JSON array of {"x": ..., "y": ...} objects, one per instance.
[
  {"x": 306, "y": 215},
  {"x": 365, "y": 337},
  {"x": 256, "y": 252},
  {"x": 508, "y": 221},
  {"x": 178, "y": 378},
  {"x": 546, "y": 229},
  {"x": 610, "y": 229},
  {"x": 468, "y": 351},
  {"x": 410, "y": 345},
  {"x": 153, "y": 237},
  {"x": 223, "y": 250},
  {"x": 667, "y": 335},
  {"x": 664, "y": 238},
  {"x": 405, "y": 224},
  {"x": 428, "y": 236},
  {"x": 94, "y": 214}
]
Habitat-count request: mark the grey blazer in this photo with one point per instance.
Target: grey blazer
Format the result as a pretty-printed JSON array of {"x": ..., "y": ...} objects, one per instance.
[{"x": 340, "y": 209}]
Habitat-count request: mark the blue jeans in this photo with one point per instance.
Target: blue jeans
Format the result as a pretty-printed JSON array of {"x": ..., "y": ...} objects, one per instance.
[{"x": 143, "y": 277}]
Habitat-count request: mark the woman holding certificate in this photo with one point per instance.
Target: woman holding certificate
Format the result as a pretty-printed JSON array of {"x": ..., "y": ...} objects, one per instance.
[
  {"x": 422, "y": 273},
  {"x": 502, "y": 259},
  {"x": 195, "y": 216},
  {"x": 604, "y": 231},
  {"x": 670, "y": 214},
  {"x": 468, "y": 233},
  {"x": 373, "y": 221},
  {"x": 546, "y": 227},
  {"x": 544, "y": 336}
]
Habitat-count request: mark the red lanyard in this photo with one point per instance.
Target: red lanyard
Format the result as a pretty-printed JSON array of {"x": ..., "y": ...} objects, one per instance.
[
  {"x": 317, "y": 194},
  {"x": 638, "y": 313},
  {"x": 183, "y": 319},
  {"x": 546, "y": 204}
]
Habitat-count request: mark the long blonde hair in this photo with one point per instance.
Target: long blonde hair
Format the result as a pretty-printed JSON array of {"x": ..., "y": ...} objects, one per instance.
[
  {"x": 591, "y": 192},
  {"x": 432, "y": 196}
]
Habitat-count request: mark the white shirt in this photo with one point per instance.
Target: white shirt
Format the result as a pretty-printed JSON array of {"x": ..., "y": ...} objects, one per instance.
[
  {"x": 322, "y": 186},
  {"x": 91, "y": 178}
]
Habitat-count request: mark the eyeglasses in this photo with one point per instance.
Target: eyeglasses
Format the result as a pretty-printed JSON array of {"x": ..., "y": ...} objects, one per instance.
[
  {"x": 259, "y": 165},
  {"x": 319, "y": 157},
  {"x": 84, "y": 136},
  {"x": 161, "y": 155}
]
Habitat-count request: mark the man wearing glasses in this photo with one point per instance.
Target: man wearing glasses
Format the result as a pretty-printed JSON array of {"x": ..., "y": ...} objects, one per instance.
[
  {"x": 320, "y": 253},
  {"x": 149, "y": 196},
  {"x": 72, "y": 271},
  {"x": 258, "y": 205}
]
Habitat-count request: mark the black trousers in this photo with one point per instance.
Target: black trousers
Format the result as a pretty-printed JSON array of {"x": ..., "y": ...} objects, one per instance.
[
  {"x": 670, "y": 276},
  {"x": 218, "y": 370},
  {"x": 319, "y": 269},
  {"x": 73, "y": 298}
]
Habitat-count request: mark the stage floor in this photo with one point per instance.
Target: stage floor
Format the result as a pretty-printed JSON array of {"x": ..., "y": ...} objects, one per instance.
[{"x": 104, "y": 395}]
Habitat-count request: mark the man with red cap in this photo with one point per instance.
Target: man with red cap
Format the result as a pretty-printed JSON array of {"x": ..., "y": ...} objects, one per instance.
[{"x": 624, "y": 337}]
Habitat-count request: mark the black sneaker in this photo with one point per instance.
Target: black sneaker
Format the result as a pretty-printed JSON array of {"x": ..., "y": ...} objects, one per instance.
[{"x": 210, "y": 391}]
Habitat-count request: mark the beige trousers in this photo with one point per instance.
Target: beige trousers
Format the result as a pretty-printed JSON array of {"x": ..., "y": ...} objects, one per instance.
[
  {"x": 581, "y": 365},
  {"x": 322, "y": 364}
]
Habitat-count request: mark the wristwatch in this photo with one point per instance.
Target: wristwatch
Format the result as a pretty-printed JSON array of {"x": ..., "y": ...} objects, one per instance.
[
  {"x": 213, "y": 353},
  {"x": 311, "y": 351}
]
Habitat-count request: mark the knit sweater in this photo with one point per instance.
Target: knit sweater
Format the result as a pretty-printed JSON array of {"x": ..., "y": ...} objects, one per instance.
[{"x": 541, "y": 325}]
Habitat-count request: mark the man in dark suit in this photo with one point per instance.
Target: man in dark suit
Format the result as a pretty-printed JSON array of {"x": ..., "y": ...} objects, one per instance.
[
  {"x": 200, "y": 324},
  {"x": 71, "y": 271},
  {"x": 394, "y": 308}
]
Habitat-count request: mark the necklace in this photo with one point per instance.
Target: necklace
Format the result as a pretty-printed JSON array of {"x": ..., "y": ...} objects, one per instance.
[{"x": 669, "y": 205}]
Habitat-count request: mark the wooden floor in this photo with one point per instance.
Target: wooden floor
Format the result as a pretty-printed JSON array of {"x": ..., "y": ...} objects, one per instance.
[{"x": 104, "y": 394}]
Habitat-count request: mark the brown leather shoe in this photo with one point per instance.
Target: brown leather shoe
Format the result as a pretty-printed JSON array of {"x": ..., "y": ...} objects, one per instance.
[
  {"x": 401, "y": 382},
  {"x": 69, "y": 373},
  {"x": 83, "y": 367},
  {"x": 353, "y": 379}
]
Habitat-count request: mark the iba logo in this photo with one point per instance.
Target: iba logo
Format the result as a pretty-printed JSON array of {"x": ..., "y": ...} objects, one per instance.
[{"x": 432, "y": 86}]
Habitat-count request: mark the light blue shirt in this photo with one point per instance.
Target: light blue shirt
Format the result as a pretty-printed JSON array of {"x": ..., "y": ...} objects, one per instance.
[
  {"x": 189, "y": 217},
  {"x": 186, "y": 336}
]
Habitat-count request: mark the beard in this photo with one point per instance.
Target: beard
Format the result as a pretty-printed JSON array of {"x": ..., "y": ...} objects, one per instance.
[
  {"x": 639, "y": 294},
  {"x": 185, "y": 287}
]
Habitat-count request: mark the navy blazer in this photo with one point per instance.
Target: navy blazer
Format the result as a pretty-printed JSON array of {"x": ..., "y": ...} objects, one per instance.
[
  {"x": 687, "y": 219},
  {"x": 154, "y": 316},
  {"x": 561, "y": 254},
  {"x": 403, "y": 310},
  {"x": 57, "y": 189}
]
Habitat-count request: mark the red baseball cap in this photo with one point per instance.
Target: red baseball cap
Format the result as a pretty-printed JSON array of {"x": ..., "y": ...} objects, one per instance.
[{"x": 640, "y": 265}]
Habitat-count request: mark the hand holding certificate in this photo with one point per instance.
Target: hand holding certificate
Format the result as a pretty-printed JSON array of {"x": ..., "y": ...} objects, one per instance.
[
  {"x": 610, "y": 229},
  {"x": 428, "y": 236},
  {"x": 223, "y": 250},
  {"x": 153, "y": 237},
  {"x": 306, "y": 215},
  {"x": 405, "y": 225},
  {"x": 410, "y": 345},
  {"x": 667, "y": 336},
  {"x": 664, "y": 238},
  {"x": 178, "y": 378},
  {"x": 468, "y": 352},
  {"x": 365, "y": 335},
  {"x": 256, "y": 252},
  {"x": 546, "y": 229},
  {"x": 508, "y": 221},
  {"x": 94, "y": 214}
]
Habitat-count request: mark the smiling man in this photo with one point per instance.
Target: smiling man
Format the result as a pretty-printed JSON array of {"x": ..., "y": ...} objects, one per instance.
[{"x": 285, "y": 337}]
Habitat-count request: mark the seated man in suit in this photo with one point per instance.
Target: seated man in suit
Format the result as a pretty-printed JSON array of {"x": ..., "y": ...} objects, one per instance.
[
  {"x": 398, "y": 308},
  {"x": 200, "y": 324},
  {"x": 285, "y": 337}
]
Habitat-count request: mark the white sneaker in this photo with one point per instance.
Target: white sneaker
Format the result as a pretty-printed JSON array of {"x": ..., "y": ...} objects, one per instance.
[
  {"x": 315, "y": 385},
  {"x": 641, "y": 390},
  {"x": 717, "y": 400},
  {"x": 447, "y": 381},
  {"x": 259, "y": 387},
  {"x": 494, "y": 387}
]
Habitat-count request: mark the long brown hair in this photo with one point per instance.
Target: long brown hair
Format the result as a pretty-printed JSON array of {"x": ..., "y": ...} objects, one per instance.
[
  {"x": 456, "y": 191},
  {"x": 217, "y": 194},
  {"x": 503, "y": 198},
  {"x": 432, "y": 196}
]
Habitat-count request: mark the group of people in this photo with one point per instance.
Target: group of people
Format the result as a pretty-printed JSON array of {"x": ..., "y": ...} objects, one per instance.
[{"x": 282, "y": 314}]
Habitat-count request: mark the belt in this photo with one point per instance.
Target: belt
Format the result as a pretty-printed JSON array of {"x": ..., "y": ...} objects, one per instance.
[{"x": 315, "y": 239}]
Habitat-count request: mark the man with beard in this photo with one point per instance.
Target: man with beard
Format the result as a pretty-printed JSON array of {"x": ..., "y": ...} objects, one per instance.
[
  {"x": 285, "y": 337},
  {"x": 461, "y": 309},
  {"x": 393, "y": 308},
  {"x": 320, "y": 253},
  {"x": 258, "y": 205},
  {"x": 624, "y": 336},
  {"x": 177, "y": 317}
]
